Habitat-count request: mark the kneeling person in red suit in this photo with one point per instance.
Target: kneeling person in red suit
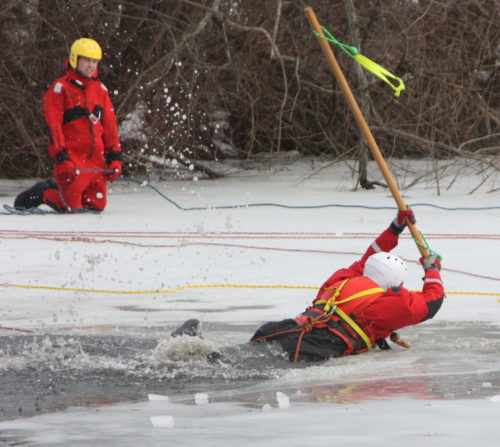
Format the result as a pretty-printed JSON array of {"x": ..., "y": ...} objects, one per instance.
[{"x": 83, "y": 139}]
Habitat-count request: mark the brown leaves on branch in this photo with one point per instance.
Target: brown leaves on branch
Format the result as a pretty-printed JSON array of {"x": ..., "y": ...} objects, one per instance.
[{"x": 203, "y": 80}]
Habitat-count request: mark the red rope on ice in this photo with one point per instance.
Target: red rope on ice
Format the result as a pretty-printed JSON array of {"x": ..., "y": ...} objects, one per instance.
[
  {"x": 92, "y": 237},
  {"x": 14, "y": 234}
]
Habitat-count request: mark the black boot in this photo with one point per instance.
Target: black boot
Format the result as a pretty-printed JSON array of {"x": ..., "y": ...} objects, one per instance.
[
  {"x": 33, "y": 197},
  {"x": 189, "y": 327}
]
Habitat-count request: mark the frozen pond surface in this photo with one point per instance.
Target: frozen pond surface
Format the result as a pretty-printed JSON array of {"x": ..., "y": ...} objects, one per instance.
[
  {"x": 88, "y": 303},
  {"x": 80, "y": 381}
]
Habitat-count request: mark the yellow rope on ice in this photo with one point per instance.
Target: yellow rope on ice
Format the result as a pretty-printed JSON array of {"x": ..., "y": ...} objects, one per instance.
[{"x": 198, "y": 286}]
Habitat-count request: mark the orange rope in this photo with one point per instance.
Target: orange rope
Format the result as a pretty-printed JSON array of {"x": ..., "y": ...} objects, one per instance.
[
  {"x": 87, "y": 236},
  {"x": 5, "y": 328},
  {"x": 73, "y": 237}
]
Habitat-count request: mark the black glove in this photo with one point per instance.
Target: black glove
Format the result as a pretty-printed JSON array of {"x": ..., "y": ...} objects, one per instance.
[
  {"x": 399, "y": 222},
  {"x": 431, "y": 262}
]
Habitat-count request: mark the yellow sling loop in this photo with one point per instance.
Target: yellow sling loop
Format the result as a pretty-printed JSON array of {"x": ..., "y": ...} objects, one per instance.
[
  {"x": 370, "y": 65},
  {"x": 332, "y": 305},
  {"x": 332, "y": 301}
]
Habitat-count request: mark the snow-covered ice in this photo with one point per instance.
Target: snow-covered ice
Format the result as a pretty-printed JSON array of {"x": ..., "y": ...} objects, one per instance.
[{"x": 101, "y": 294}]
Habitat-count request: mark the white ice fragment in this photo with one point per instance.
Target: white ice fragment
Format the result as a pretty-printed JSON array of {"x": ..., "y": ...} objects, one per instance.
[
  {"x": 496, "y": 398},
  {"x": 201, "y": 398},
  {"x": 157, "y": 397},
  {"x": 487, "y": 384},
  {"x": 283, "y": 400},
  {"x": 266, "y": 408},
  {"x": 163, "y": 421}
]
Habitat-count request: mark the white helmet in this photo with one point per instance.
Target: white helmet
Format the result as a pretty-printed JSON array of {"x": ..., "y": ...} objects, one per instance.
[{"x": 386, "y": 270}]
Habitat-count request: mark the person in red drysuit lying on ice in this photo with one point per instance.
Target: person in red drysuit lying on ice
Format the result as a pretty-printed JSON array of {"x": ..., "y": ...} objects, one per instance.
[{"x": 359, "y": 306}]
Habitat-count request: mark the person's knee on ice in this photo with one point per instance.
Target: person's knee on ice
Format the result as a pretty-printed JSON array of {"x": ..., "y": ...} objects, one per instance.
[{"x": 94, "y": 196}]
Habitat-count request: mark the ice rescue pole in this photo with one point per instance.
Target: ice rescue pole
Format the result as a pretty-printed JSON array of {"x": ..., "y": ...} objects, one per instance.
[{"x": 372, "y": 144}]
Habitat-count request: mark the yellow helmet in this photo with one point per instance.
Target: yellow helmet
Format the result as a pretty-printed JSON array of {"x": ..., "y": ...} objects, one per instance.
[{"x": 84, "y": 47}]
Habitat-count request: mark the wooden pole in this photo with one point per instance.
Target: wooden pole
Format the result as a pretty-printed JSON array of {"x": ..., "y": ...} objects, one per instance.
[{"x": 358, "y": 115}]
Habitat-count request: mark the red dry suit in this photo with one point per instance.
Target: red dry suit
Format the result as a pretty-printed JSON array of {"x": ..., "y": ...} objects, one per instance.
[
  {"x": 376, "y": 312},
  {"x": 83, "y": 129},
  {"x": 361, "y": 314}
]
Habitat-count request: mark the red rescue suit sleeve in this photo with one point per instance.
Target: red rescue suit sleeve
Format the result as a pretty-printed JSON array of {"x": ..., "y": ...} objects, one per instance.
[
  {"x": 110, "y": 125},
  {"x": 399, "y": 307},
  {"x": 53, "y": 106},
  {"x": 386, "y": 241}
]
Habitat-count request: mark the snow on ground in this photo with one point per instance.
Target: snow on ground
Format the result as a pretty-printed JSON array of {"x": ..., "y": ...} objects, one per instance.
[{"x": 143, "y": 266}]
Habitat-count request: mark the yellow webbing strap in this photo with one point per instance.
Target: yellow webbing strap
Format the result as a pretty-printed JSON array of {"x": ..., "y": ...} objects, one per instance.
[
  {"x": 332, "y": 302},
  {"x": 360, "y": 295},
  {"x": 354, "y": 326},
  {"x": 370, "y": 65},
  {"x": 381, "y": 72}
]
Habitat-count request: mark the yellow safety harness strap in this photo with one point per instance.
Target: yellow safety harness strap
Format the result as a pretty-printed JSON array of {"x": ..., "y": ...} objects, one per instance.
[
  {"x": 354, "y": 327},
  {"x": 332, "y": 303},
  {"x": 360, "y": 295}
]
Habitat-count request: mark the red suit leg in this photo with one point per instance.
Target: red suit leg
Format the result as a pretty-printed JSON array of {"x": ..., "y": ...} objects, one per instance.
[
  {"x": 87, "y": 191},
  {"x": 94, "y": 195}
]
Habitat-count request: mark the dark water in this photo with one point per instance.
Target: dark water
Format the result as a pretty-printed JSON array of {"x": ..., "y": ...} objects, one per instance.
[{"x": 47, "y": 373}]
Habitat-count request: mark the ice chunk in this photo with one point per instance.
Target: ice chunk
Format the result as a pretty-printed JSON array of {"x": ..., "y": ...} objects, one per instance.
[
  {"x": 157, "y": 397},
  {"x": 163, "y": 421},
  {"x": 283, "y": 400},
  {"x": 201, "y": 398}
]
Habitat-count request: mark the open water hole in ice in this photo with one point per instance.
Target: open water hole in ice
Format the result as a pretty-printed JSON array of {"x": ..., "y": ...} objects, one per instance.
[{"x": 48, "y": 372}]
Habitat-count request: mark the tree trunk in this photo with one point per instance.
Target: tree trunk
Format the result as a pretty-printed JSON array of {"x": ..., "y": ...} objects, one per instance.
[{"x": 361, "y": 92}]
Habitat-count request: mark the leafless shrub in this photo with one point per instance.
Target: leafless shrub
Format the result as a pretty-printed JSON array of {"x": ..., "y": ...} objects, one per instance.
[{"x": 207, "y": 79}]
